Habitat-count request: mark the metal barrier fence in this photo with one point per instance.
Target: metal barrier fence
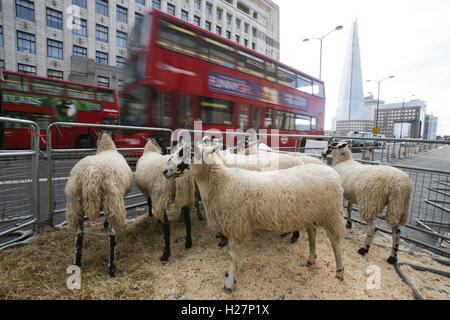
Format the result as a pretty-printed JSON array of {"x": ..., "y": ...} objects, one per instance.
[
  {"x": 61, "y": 161},
  {"x": 19, "y": 188}
]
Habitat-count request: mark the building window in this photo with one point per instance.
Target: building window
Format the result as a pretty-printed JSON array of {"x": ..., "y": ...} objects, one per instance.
[
  {"x": 184, "y": 15},
  {"x": 238, "y": 39},
  {"x": 54, "y": 49},
  {"x": 55, "y": 74},
  {"x": 101, "y": 33},
  {"x": 156, "y": 4},
  {"x": 101, "y": 57},
  {"x": 208, "y": 25},
  {"x": 79, "y": 51},
  {"x": 197, "y": 21},
  {"x": 238, "y": 23},
  {"x": 228, "y": 34},
  {"x": 25, "y": 68},
  {"x": 79, "y": 27},
  {"x": 219, "y": 30},
  {"x": 209, "y": 7},
  {"x": 254, "y": 32},
  {"x": 25, "y": 10},
  {"x": 253, "y": 46},
  {"x": 103, "y": 81},
  {"x": 219, "y": 14},
  {"x": 1, "y": 36},
  {"x": 80, "y": 3},
  {"x": 121, "y": 62},
  {"x": 54, "y": 19},
  {"x": 121, "y": 39},
  {"x": 197, "y": 4},
  {"x": 229, "y": 19},
  {"x": 26, "y": 42},
  {"x": 246, "y": 42},
  {"x": 2, "y": 64},
  {"x": 101, "y": 7},
  {"x": 137, "y": 18},
  {"x": 171, "y": 9},
  {"x": 122, "y": 14},
  {"x": 141, "y": 2},
  {"x": 246, "y": 26}
]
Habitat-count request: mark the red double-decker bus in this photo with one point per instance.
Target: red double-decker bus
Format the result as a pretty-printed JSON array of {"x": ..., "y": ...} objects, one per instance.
[
  {"x": 179, "y": 73},
  {"x": 44, "y": 100}
]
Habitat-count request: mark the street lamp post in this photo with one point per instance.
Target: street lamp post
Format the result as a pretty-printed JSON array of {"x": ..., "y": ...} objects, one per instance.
[
  {"x": 403, "y": 112},
  {"x": 321, "y": 46},
  {"x": 378, "y": 100}
]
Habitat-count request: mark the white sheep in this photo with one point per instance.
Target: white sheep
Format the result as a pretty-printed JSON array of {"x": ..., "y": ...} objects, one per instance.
[
  {"x": 162, "y": 193},
  {"x": 98, "y": 183},
  {"x": 238, "y": 202},
  {"x": 373, "y": 187}
]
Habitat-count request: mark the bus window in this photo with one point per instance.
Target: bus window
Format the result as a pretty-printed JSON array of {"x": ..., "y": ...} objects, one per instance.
[
  {"x": 286, "y": 120},
  {"x": 271, "y": 71},
  {"x": 217, "y": 52},
  {"x": 302, "y": 123},
  {"x": 269, "y": 119},
  {"x": 105, "y": 95},
  {"x": 244, "y": 117},
  {"x": 250, "y": 64},
  {"x": 16, "y": 82},
  {"x": 16, "y": 115},
  {"x": 185, "y": 112},
  {"x": 216, "y": 111},
  {"x": 80, "y": 92},
  {"x": 318, "y": 89},
  {"x": 177, "y": 38},
  {"x": 313, "y": 123},
  {"x": 43, "y": 120},
  {"x": 256, "y": 114},
  {"x": 286, "y": 77},
  {"x": 47, "y": 87},
  {"x": 304, "y": 84},
  {"x": 134, "y": 105}
]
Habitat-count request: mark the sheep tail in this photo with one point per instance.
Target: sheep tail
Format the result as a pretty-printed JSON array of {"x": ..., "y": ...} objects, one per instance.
[
  {"x": 92, "y": 192},
  {"x": 114, "y": 206},
  {"x": 398, "y": 205}
]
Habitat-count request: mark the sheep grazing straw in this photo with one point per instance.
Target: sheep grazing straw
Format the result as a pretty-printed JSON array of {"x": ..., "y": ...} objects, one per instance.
[
  {"x": 98, "y": 183},
  {"x": 162, "y": 193},
  {"x": 238, "y": 202},
  {"x": 372, "y": 187}
]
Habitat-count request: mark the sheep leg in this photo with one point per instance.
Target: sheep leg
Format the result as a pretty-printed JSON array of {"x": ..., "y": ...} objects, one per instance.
[
  {"x": 223, "y": 241},
  {"x": 166, "y": 231},
  {"x": 395, "y": 243},
  {"x": 311, "y": 230},
  {"x": 112, "y": 252},
  {"x": 230, "y": 282},
  {"x": 78, "y": 246},
  {"x": 349, "y": 215},
  {"x": 336, "y": 245},
  {"x": 369, "y": 238},
  {"x": 149, "y": 202},
  {"x": 198, "y": 211},
  {"x": 187, "y": 222}
]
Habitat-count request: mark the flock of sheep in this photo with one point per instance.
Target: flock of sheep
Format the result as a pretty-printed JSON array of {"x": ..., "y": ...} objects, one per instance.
[{"x": 240, "y": 193}]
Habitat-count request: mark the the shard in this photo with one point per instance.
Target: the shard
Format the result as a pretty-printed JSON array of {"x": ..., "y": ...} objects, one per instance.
[{"x": 351, "y": 98}]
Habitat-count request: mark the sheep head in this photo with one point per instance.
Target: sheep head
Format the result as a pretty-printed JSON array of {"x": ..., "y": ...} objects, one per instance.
[
  {"x": 337, "y": 150},
  {"x": 105, "y": 142}
]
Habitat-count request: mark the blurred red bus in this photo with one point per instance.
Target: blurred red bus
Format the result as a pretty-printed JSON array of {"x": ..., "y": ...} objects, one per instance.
[
  {"x": 44, "y": 100},
  {"x": 178, "y": 73}
]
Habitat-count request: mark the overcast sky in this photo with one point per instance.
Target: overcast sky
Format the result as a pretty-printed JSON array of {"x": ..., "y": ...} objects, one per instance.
[{"x": 409, "y": 39}]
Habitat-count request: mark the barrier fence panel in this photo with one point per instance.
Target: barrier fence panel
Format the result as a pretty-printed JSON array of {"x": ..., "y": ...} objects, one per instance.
[
  {"x": 429, "y": 219},
  {"x": 61, "y": 161},
  {"x": 19, "y": 187}
]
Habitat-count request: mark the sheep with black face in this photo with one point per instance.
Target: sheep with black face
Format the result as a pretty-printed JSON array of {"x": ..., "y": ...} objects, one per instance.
[{"x": 238, "y": 202}]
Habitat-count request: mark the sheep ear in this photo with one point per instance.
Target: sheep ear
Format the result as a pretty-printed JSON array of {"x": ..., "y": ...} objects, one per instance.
[{"x": 342, "y": 146}]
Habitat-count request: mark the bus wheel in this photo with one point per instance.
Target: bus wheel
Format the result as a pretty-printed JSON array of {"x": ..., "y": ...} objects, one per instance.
[{"x": 84, "y": 142}]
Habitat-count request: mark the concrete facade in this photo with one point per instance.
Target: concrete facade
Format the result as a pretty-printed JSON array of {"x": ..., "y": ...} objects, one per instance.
[
  {"x": 256, "y": 23},
  {"x": 412, "y": 113}
]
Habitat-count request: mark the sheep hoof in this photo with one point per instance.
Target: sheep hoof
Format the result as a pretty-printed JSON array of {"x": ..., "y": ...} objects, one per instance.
[
  {"x": 227, "y": 290},
  {"x": 165, "y": 257},
  {"x": 222, "y": 242},
  {"x": 392, "y": 260},
  {"x": 310, "y": 263},
  {"x": 349, "y": 225},
  {"x": 363, "y": 251},
  {"x": 188, "y": 244},
  {"x": 112, "y": 271},
  {"x": 340, "y": 277},
  {"x": 226, "y": 274}
]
